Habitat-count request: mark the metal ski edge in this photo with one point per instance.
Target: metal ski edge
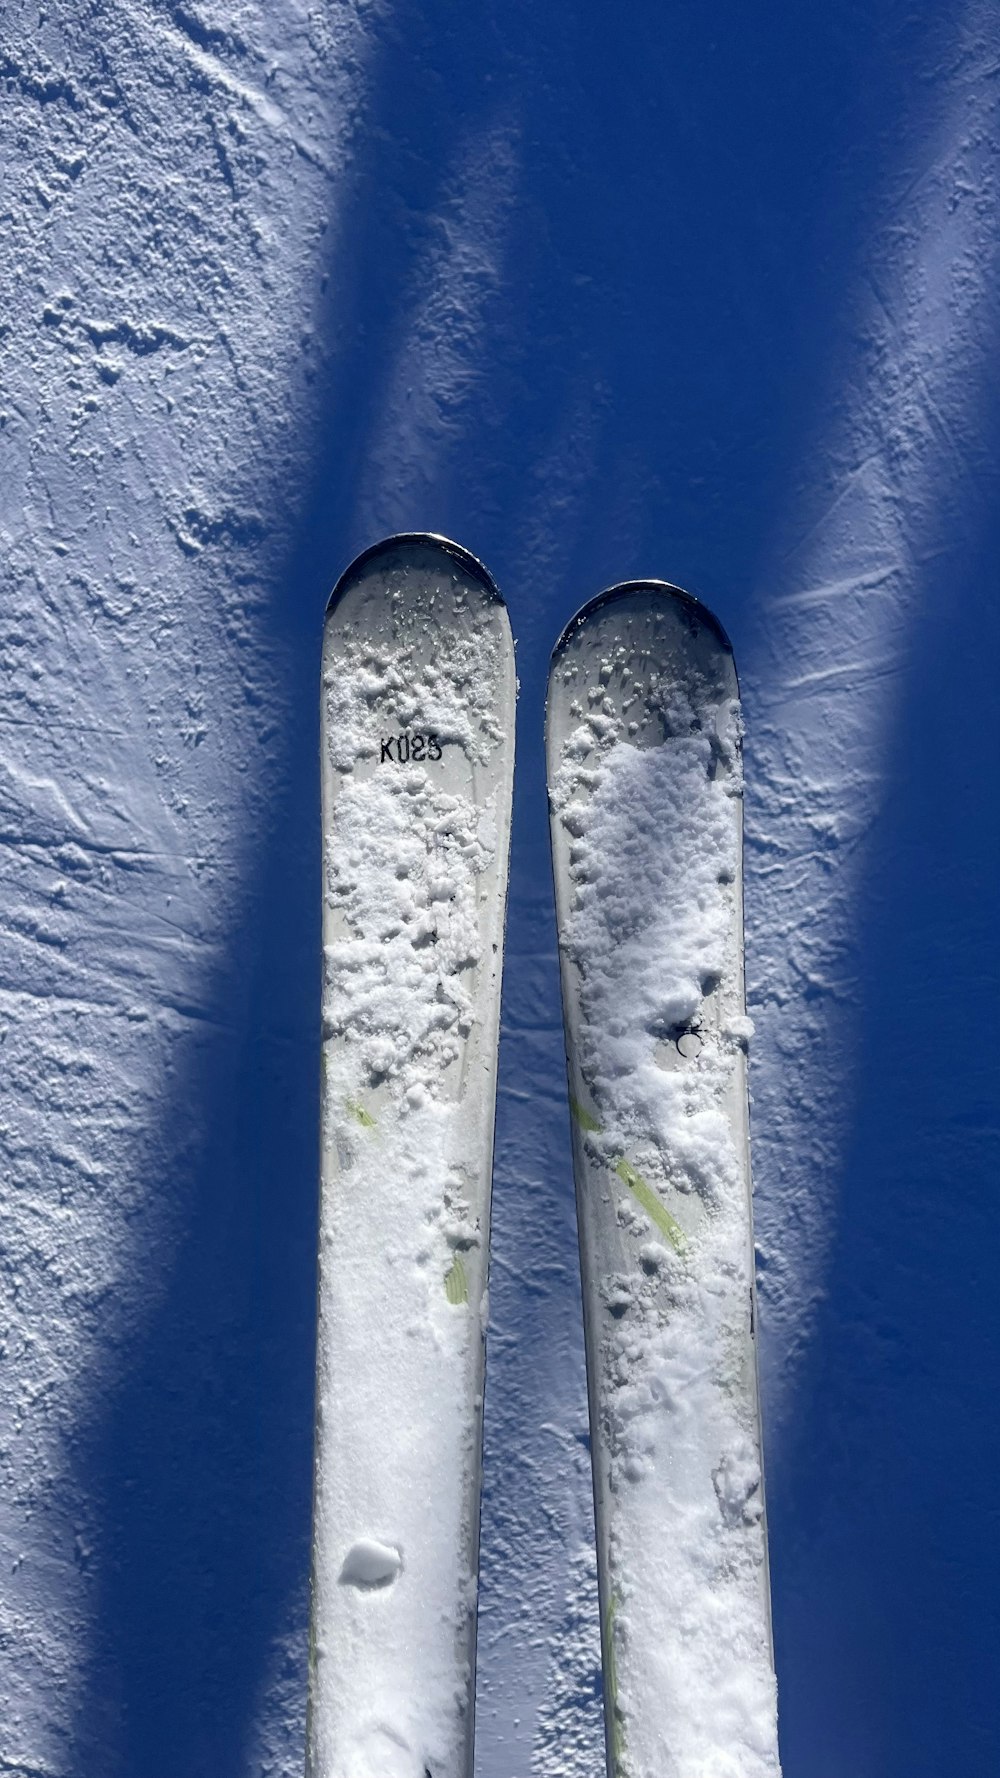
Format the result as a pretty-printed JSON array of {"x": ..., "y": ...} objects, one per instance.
[{"x": 433, "y": 542}]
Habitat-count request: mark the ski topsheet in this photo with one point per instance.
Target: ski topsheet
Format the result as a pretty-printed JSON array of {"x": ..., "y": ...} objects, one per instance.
[
  {"x": 644, "y": 769},
  {"x": 417, "y": 756}
]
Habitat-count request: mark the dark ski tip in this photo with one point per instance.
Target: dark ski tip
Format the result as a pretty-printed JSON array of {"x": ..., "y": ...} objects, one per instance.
[
  {"x": 624, "y": 589},
  {"x": 405, "y": 543}
]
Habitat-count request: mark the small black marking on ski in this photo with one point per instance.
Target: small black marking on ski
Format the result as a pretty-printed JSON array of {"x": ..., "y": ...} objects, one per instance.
[{"x": 408, "y": 748}]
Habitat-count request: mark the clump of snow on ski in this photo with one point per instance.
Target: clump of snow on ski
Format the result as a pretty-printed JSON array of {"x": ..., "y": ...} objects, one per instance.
[
  {"x": 645, "y": 785},
  {"x": 418, "y": 727}
]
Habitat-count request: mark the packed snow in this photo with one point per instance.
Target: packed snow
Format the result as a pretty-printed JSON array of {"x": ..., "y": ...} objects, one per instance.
[
  {"x": 418, "y": 707},
  {"x": 646, "y": 792}
]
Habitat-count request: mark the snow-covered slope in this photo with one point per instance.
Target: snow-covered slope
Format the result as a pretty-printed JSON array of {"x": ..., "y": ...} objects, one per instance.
[
  {"x": 709, "y": 295},
  {"x": 169, "y": 191}
]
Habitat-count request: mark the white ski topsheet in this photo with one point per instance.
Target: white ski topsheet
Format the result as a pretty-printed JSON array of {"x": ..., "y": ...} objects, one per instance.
[
  {"x": 417, "y": 740},
  {"x": 645, "y": 786}
]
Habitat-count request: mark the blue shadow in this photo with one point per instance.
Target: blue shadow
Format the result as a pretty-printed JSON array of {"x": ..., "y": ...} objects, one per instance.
[{"x": 885, "y": 1557}]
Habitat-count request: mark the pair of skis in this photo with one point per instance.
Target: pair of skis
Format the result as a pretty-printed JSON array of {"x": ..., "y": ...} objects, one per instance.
[{"x": 643, "y": 744}]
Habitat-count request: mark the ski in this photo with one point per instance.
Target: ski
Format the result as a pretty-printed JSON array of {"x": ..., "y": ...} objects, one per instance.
[
  {"x": 644, "y": 773},
  {"x": 417, "y": 757}
]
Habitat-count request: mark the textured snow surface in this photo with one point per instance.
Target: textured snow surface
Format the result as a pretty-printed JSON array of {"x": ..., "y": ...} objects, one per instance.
[
  {"x": 651, "y": 936},
  {"x": 709, "y": 293},
  {"x": 168, "y": 178},
  {"x": 415, "y": 877},
  {"x": 847, "y": 597}
]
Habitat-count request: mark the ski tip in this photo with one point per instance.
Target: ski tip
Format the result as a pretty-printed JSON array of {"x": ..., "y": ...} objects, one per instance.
[
  {"x": 411, "y": 547},
  {"x": 697, "y": 614}
]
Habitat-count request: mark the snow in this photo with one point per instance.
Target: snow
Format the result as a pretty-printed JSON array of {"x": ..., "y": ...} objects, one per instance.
[
  {"x": 161, "y": 210},
  {"x": 837, "y": 624},
  {"x": 415, "y": 876},
  {"x": 370, "y": 1564},
  {"x": 654, "y": 992},
  {"x": 705, "y": 293}
]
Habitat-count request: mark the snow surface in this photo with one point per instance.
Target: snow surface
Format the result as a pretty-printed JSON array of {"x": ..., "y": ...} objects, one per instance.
[
  {"x": 709, "y": 293},
  {"x": 833, "y": 634},
  {"x": 415, "y": 874},
  {"x": 646, "y": 783}
]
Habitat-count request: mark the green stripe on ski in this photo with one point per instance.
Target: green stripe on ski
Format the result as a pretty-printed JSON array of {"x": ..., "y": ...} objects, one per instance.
[
  {"x": 655, "y": 1210},
  {"x": 364, "y": 1117},
  {"x": 456, "y": 1284},
  {"x": 583, "y": 1117},
  {"x": 640, "y": 1189}
]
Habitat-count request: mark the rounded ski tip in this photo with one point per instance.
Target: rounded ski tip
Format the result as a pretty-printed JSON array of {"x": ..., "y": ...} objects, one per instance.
[
  {"x": 410, "y": 547},
  {"x": 697, "y": 614}
]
